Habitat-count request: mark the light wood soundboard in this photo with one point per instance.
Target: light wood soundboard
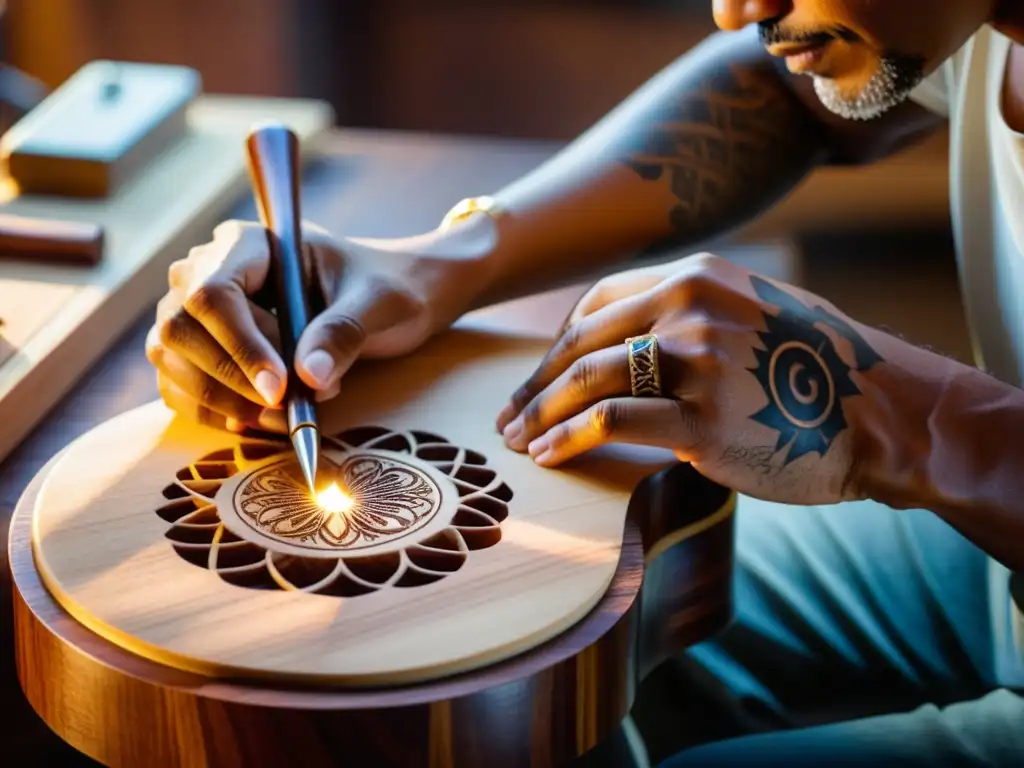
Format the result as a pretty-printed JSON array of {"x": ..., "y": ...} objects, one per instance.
[
  {"x": 57, "y": 320},
  {"x": 204, "y": 551}
]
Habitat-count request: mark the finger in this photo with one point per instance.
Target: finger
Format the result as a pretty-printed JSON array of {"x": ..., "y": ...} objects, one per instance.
[
  {"x": 606, "y": 327},
  {"x": 207, "y": 391},
  {"x": 183, "y": 334},
  {"x": 588, "y": 380},
  {"x": 248, "y": 253},
  {"x": 328, "y": 394},
  {"x": 652, "y": 421},
  {"x": 335, "y": 337},
  {"x": 224, "y": 311},
  {"x": 616, "y": 288},
  {"x": 267, "y": 323},
  {"x": 223, "y": 303},
  {"x": 181, "y": 403}
]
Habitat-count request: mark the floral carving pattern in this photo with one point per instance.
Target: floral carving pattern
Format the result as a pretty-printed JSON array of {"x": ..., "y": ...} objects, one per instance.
[
  {"x": 388, "y": 492},
  {"x": 390, "y": 498}
]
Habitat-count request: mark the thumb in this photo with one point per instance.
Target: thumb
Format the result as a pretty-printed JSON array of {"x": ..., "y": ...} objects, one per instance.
[{"x": 336, "y": 337}]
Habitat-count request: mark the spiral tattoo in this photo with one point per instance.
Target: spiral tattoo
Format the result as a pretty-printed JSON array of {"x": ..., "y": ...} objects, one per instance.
[{"x": 802, "y": 375}]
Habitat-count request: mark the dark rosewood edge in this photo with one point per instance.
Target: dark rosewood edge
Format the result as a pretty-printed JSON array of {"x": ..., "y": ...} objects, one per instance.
[
  {"x": 541, "y": 708},
  {"x": 687, "y": 525}
]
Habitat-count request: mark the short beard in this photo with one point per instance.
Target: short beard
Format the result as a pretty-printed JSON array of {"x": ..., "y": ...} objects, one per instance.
[
  {"x": 896, "y": 77},
  {"x": 890, "y": 86}
]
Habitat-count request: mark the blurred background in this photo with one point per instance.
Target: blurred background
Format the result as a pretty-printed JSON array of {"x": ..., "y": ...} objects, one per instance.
[{"x": 520, "y": 69}]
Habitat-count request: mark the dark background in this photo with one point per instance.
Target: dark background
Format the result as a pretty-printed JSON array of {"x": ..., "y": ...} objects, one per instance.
[
  {"x": 523, "y": 68},
  {"x": 511, "y": 69}
]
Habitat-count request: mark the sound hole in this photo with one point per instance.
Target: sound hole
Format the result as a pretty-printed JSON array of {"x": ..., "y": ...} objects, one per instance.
[{"x": 199, "y": 536}]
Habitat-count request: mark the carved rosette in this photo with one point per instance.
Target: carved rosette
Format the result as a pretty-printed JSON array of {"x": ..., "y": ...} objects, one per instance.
[
  {"x": 392, "y": 499},
  {"x": 420, "y": 505}
]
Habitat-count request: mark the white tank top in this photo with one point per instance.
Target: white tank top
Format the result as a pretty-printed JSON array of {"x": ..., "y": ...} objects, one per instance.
[{"x": 987, "y": 210}]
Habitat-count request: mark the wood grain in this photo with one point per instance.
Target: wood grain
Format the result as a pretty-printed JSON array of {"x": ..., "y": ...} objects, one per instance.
[
  {"x": 211, "y": 36},
  {"x": 77, "y": 242},
  {"x": 549, "y": 549},
  {"x": 151, "y": 221},
  {"x": 541, "y": 708}
]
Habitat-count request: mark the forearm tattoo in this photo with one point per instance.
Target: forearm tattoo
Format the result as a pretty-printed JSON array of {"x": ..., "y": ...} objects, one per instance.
[
  {"x": 802, "y": 374},
  {"x": 729, "y": 148}
]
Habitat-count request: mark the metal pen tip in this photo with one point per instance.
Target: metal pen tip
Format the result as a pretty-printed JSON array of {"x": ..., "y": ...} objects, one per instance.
[{"x": 306, "y": 440}]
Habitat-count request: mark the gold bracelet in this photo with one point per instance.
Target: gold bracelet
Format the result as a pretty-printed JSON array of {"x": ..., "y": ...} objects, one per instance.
[{"x": 467, "y": 207}]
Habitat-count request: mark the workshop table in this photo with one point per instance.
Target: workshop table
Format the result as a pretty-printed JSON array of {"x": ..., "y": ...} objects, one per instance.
[{"x": 369, "y": 184}]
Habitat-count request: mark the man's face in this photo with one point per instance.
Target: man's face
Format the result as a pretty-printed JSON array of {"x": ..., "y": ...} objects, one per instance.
[{"x": 865, "y": 56}]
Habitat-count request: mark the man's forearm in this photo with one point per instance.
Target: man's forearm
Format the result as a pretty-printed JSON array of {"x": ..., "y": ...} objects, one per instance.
[
  {"x": 948, "y": 439},
  {"x": 706, "y": 145},
  {"x": 975, "y": 469}
]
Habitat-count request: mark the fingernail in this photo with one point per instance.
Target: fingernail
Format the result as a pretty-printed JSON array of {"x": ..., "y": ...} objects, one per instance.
[
  {"x": 538, "y": 447},
  {"x": 324, "y": 395},
  {"x": 273, "y": 421},
  {"x": 507, "y": 414},
  {"x": 267, "y": 385},
  {"x": 512, "y": 431},
  {"x": 320, "y": 365},
  {"x": 234, "y": 425},
  {"x": 545, "y": 458}
]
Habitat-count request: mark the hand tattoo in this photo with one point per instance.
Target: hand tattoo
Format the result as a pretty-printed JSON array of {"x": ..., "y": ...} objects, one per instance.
[{"x": 803, "y": 375}]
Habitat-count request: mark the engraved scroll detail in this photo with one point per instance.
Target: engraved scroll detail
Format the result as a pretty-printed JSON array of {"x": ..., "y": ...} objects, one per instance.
[
  {"x": 370, "y": 458},
  {"x": 391, "y": 498}
]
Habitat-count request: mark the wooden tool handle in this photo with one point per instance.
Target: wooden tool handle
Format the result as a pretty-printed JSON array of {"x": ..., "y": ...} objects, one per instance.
[
  {"x": 273, "y": 153},
  {"x": 72, "y": 241}
]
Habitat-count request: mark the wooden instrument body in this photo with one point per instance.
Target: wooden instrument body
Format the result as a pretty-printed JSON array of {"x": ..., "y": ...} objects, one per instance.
[
  {"x": 544, "y": 707},
  {"x": 539, "y": 694}
]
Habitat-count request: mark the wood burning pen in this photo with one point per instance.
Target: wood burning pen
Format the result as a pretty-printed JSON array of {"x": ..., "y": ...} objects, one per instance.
[{"x": 273, "y": 153}]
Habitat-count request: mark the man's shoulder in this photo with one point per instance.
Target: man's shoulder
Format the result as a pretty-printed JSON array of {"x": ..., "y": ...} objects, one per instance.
[
  {"x": 932, "y": 93},
  {"x": 938, "y": 90}
]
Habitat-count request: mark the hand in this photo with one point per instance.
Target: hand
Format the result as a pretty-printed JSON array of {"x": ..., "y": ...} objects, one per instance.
[
  {"x": 761, "y": 383},
  {"x": 216, "y": 346}
]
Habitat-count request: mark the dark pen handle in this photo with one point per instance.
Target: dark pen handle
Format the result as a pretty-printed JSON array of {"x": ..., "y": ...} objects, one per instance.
[{"x": 273, "y": 152}]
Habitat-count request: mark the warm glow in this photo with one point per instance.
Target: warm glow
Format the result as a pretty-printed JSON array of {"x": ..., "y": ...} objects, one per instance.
[{"x": 333, "y": 499}]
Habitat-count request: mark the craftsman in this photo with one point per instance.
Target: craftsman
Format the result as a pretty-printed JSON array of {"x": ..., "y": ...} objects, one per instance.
[{"x": 881, "y": 483}]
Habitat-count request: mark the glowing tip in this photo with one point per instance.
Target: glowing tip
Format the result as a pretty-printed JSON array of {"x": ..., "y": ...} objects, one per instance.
[{"x": 333, "y": 499}]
